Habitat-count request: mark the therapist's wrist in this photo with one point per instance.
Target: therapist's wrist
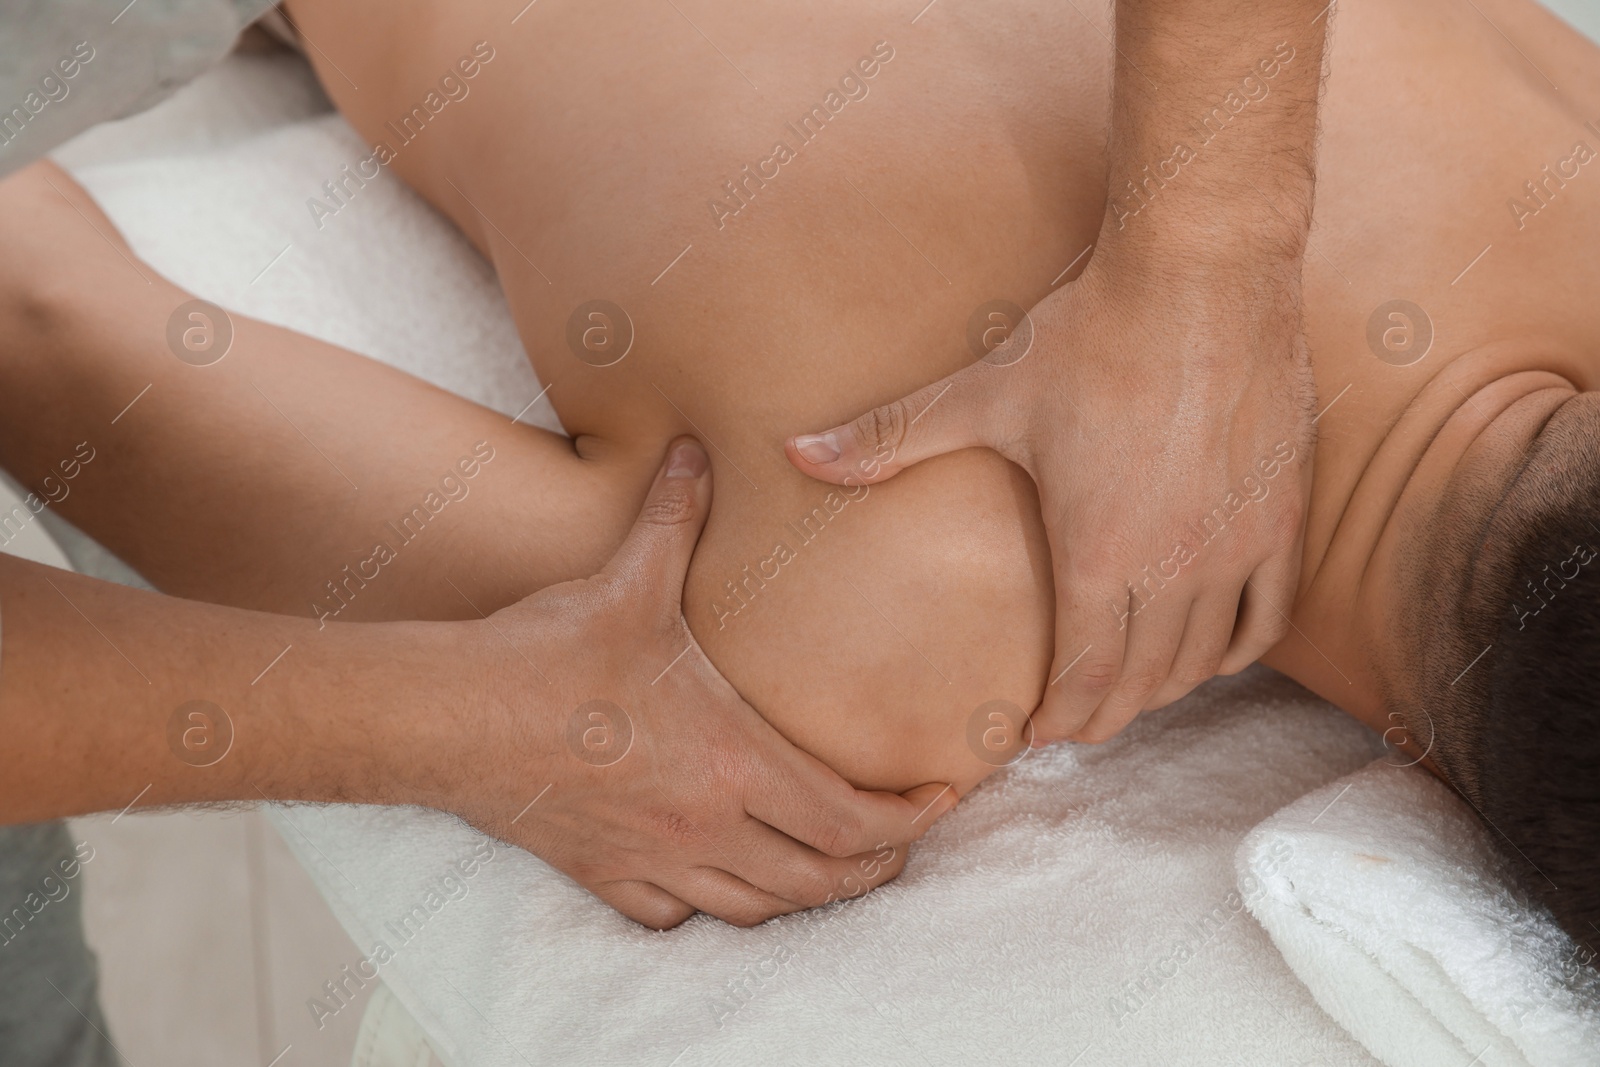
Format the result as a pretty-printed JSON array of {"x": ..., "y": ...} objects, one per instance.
[
  {"x": 471, "y": 717},
  {"x": 1239, "y": 290},
  {"x": 446, "y": 736},
  {"x": 1250, "y": 246},
  {"x": 368, "y": 713}
]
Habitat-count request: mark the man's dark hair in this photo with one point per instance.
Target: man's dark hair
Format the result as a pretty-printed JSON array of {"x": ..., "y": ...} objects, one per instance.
[{"x": 1504, "y": 623}]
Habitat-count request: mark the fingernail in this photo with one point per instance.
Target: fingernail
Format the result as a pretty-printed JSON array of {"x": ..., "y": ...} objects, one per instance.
[
  {"x": 818, "y": 447},
  {"x": 688, "y": 461}
]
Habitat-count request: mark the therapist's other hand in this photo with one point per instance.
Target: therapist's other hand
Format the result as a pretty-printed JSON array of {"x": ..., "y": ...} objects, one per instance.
[
  {"x": 1168, "y": 427},
  {"x": 658, "y": 788}
]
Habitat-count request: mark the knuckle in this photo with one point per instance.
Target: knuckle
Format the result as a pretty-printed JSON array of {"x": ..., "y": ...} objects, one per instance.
[
  {"x": 670, "y": 505},
  {"x": 839, "y": 839},
  {"x": 675, "y": 829},
  {"x": 1194, "y": 673},
  {"x": 1139, "y": 683},
  {"x": 813, "y": 885},
  {"x": 882, "y": 427},
  {"x": 1095, "y": 676},
  {"x": 745, "y": 914}
]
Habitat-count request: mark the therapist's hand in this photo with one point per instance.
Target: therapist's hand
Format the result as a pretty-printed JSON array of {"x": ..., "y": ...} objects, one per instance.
[
  {"x": 653, "y": 784},
  {"x": 1167, "y": 424},
  {"x": 1164, "y": 408}
]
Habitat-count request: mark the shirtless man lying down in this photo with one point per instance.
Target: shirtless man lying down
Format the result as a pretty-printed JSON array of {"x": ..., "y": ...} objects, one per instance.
[{"x": 1446, "y": 597}]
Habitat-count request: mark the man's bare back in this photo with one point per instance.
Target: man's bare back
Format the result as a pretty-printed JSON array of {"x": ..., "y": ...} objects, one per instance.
[{"x": 967, "y": 168}]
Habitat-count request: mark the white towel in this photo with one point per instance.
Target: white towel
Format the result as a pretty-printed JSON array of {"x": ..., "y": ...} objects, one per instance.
[
  {"x": 1078, "y": 908},
  {"x": 1388, "y": 898}
]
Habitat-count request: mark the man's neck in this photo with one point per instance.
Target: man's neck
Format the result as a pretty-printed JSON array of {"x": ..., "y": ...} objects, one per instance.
[{"x": 1382, "y": 470}]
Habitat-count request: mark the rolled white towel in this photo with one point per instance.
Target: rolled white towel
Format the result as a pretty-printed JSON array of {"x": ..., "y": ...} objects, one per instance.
[{"x": 1386, "y": 896}]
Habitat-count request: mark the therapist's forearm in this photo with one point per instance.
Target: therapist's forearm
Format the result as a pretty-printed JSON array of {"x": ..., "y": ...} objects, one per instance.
[
  {"x": 92, "y": 675},
  {"x": 1213, "y": 132}
]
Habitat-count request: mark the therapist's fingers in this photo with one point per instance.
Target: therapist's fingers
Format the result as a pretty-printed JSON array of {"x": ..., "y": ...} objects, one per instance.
[
  {"x": 646, "y": 904},
  {"x": 1263, "y": 612},
  {"x": 726, "y": 896},
  {"x": 655, "y": 555},
  {"x": 1156, "y": 623},
  {"x": 794, "y": 872},
  {"x": 1205, "y": 641},
  {"x": 1093, "y": 614},
  {"x": 952, "y": 413},
  {"x": 812, "y": 804}
]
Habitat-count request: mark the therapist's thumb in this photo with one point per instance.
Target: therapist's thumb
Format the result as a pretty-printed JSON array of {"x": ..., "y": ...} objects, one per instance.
[
  {"x": 943, "y": 417},
  {"x": 655, "y": 556}
]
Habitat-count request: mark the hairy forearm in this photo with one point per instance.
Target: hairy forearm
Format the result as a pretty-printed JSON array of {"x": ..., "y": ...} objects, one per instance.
[
  {"x": 1213, "y": 132},
  {"x": 111, "y": 697}
]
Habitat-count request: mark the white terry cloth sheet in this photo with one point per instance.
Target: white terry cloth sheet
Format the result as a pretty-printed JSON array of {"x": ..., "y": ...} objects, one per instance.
[
  {"x": 1079, "y": 908},
  {"x": 1388, "y": 898}
]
